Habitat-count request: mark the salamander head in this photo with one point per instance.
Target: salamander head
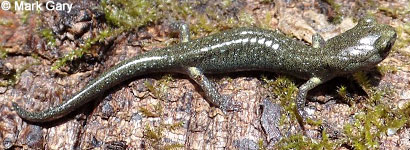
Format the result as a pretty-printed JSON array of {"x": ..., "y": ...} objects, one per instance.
[{"x": 361, "y": 47}]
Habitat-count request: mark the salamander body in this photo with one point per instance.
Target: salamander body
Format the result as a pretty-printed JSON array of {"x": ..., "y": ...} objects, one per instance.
[{"x": 243, "y": 49}]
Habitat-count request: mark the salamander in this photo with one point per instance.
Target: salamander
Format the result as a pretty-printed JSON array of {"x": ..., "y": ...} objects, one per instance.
[{"x": 243, "y": 49}]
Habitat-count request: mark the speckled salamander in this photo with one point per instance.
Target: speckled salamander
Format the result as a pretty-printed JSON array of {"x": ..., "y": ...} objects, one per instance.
[{"x": 359, "y": 48}]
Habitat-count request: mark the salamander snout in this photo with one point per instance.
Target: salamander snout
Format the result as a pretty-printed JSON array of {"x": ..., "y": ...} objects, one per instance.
[{"x": 389, "y": 37}]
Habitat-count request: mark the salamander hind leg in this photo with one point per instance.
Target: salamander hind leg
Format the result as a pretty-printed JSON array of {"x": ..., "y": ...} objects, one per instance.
[
  {"x": 301, "y": 97},
  {"x": 183, "y": 30},
  {"x": 211, "y": 93}
]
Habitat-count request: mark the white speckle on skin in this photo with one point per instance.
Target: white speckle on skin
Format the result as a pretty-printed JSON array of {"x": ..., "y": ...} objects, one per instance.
[
  {"x": 217, "y": 45},
  {"x": 230, "y": 42},
  {"x": 268, "y": 43},
  {"x": 253, "y": 40},
  {"x": 275, "y": 46},
  {"x": 244, "y": 32},
  {"x": 237, "y": 41},
  {"x": 245, "y": 40},
  {"x": 204, "y": 49},
  {"x": 222, "y": 44},
  {"x": 261, "y": 41}
]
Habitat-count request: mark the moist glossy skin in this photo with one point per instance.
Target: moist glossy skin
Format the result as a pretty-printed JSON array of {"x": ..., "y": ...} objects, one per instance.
[{"x": 361, "y": 47}]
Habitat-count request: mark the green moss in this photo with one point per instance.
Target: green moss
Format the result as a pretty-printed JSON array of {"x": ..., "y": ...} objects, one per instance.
[
  {"x": 285, "y": 90},
  {"x": 213, "y": 21},
  {"x": 384, "y": 69},
  {"x": 173, "y": 146},
  {"x": 203, "y": 25},
  {"x": 245, "y": 19},
  {"x": 395, "y": 12},
  {"x": 160, "y": 88},
  {"x": 152, "y": 89},
  {"x": 404, "y": 112},
  {"x": 314, "y": 122},
  {"x": 25, "y": 16},
  {"x": 374, "y": 120},
  {"x": 261, "y": 145},
  {"x": 374, "y": 95},
  {"x": 406, "y": 28},
  {"x": 14, "y": 77},
  {"x": 147, "y": 113},
  {"x": 77, "y": 53},
  {"x": 155, "y": 134},
  {"x": 403, "y": 34},
  {"x": 363, "y": 81},
  {"x": 266, "y": 24},
  {"x": 226, "y": 3},
  {"x": 8, "y": 82},
  {"x": 371, "y": 123},
  {"x": 175, "y": 126},
  {"x": 49, "y": 36},
  {"x": 3, "y": 52},
  {"x": 299, "y": 141},
  {"x": 267, "y": 1},
  {"x": 343, "y": 93},
  {"x": 325, "y": 143},
  {"x": 131, "y": 14},
  {"x": 5, "y": 22},
  {"x": 134, "y": 14},
  {"x": 337, "y": 18},
  {"x": 401, "y": 30},
  {"x": 225, "y": 79}
]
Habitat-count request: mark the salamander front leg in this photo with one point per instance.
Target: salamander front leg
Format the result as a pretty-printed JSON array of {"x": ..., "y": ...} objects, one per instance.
[
  {"x": 211, "y": 93},
  {"x": 301, "y": 97},
  {"x": 183, "y": 30}
]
